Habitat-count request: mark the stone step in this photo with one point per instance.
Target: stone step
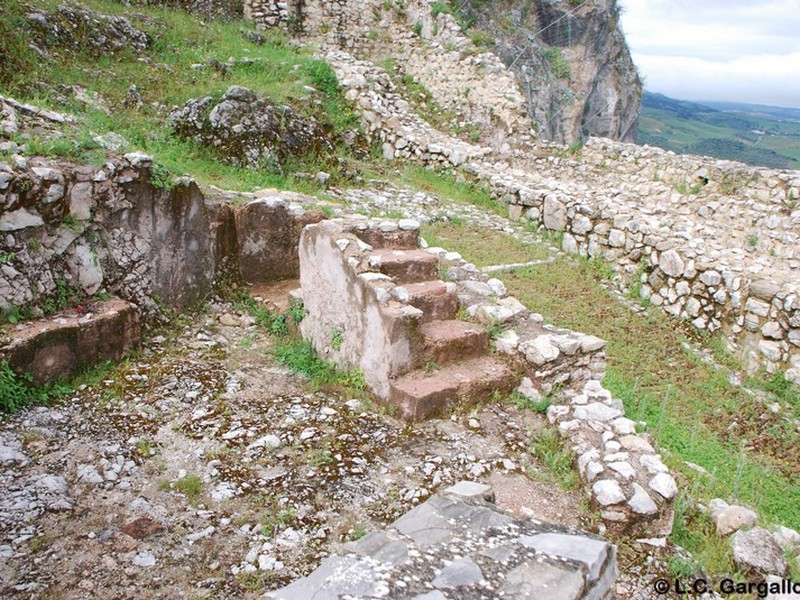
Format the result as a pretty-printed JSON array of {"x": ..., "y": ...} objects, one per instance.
[
  {"x": 422, "y": 394},
  {"x": 433, "y": 299},
  {"x": 406, "y": 266},
  {"x": 396, "y": 239},
  {"x": 451, "y": 341}
]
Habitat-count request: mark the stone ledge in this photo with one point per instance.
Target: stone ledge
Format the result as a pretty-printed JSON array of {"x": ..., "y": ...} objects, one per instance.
[{"x": 60, "y": 345}]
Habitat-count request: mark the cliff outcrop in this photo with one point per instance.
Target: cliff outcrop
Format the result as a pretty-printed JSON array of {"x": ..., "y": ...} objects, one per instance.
[{"x": 571, "y": 60}]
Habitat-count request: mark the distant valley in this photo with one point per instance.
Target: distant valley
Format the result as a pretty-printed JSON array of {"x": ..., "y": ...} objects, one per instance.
[{"x": 751, "y": 133}]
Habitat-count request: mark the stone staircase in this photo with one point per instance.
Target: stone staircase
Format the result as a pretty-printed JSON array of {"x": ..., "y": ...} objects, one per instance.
[{"x": 396, "y": 321}]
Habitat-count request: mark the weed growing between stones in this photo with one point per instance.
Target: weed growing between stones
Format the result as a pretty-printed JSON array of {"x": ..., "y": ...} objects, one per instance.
[
  {"x": 297, "y": 354},
  {"x": 15, "y": 390},
  {"x": 549, "y": 448},
  {"x": 190, "y": 486},
  {"x": 300, "y": 357},
  {"x": 539, "y": 406}
]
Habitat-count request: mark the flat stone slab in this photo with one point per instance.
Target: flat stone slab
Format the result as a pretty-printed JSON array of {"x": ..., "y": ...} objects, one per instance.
[
  {"x": 457, "y": 545},
  {"x": 60, "y": 345}
]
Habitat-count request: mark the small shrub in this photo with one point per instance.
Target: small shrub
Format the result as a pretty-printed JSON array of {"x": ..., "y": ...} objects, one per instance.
[
  {"x": 418, "y": 28},
  {"x": 337, "y": 339},
  {"x": 297, "y": 311},
  {"x": 438, "y": 8},
  {"x": 559, "y": 66},
  {"x": 272, "y": 522},
  {"x": 14, "y": 388},
  {"x": 161, "y": 177}
]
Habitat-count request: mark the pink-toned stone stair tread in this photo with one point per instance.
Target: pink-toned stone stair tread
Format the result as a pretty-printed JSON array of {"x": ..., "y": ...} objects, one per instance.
[
  {"x": 421, "y": 394},
  {"x": 453, "y": 341},
  {"x": 407, "y": 266},
  {"x": 433, "y": 299}
]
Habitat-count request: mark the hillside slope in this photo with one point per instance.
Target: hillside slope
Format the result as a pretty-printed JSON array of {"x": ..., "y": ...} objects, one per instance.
[{"x": 756, "y": 135}]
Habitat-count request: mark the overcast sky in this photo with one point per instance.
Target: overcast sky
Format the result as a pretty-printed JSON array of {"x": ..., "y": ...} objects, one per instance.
[{"x": 735, "y": 50}]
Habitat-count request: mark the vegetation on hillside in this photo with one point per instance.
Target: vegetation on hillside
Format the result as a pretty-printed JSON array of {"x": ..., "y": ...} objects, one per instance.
[
  {"x": 132, "y": 93},
  {"x": 761, "y": 136}
]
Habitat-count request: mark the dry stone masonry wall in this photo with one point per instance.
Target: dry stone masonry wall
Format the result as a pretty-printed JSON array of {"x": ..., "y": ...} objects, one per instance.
[
  {"x": 623, "y": 475},
  {"x": 80, "y": 230},
  {"x": 575, "y": 85},
  {"x": 470, "y": 82},
  {"x": 713, "y": 243}
]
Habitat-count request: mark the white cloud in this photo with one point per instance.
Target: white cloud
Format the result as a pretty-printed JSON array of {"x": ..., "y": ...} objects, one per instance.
[{"x": 717, "y": 50}]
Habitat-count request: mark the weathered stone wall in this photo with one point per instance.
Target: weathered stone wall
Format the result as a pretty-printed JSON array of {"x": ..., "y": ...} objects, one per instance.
[
  {"x": 374, "y": 330},
  {"x": 101, "y": 230},
  {"x": 711, "y": 242},
  {"x": 58, "y": 347},
  {"x": 86, "y": 230}
]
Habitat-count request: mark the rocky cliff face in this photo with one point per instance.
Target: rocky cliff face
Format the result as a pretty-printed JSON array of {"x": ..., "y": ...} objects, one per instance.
[{"x": 572, "y": 61}]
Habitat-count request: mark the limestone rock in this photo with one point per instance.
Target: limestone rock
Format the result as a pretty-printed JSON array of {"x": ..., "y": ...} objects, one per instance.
[
  {"x": 641, "y": 503},
  {"x": 608, "y": 492},
  {"x": 664, "y": 484},
  {"x": 730, "y": 518},
  {"x": 251, "y": 131},
  {"x": 757, "y": 550},
  {"x": 540, "y": 350}
]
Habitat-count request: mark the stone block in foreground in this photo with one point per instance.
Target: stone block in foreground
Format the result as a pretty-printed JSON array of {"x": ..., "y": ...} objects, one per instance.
[
  {"x": 456, "y": 545},
  {"x": 60, "y": 345}
]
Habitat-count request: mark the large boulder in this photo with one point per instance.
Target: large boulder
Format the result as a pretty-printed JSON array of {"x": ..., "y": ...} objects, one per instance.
[
  {"x": 246, "y": 130},
  {"x": 757, "y": 550}
]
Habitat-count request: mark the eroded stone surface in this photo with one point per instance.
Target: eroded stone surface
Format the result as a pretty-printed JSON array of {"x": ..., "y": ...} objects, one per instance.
[{"x": 453, "y": 545}]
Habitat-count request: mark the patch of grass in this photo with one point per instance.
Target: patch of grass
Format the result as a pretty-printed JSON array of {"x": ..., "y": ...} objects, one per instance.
[
  {"x": 357, "y": 532},
  {"x": 337, "y": 339},
  {"x": 190, "y": 486},
  {"x": 276, "y": 518},
  {"x": 448, "y": 187},
  {"x": 784, "y": 391},
  {"x": 719, "y": 349},
  {"x": 438, "y": 8},
  {"x": 688, "y": 406},
  {"x": 482, "y": 247},
  {"x": 144, "y": 447},
  {"x": 694, "y": 530},
  {"x": 19, "y": 63},
  {"x": 559, "y": 66},
  {"x": 17, "y": 390},
  {"x": 81, "y": 148},
  {"x": 300, "y": 357},
  {"x": 548, "y": 447}
]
